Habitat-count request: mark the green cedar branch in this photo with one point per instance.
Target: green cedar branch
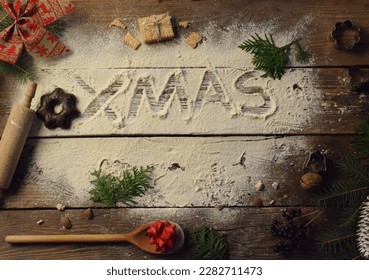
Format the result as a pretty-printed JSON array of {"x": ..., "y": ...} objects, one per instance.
[
  {"x": 270, "y": 58},
  {"x": 111, "y": 189}
]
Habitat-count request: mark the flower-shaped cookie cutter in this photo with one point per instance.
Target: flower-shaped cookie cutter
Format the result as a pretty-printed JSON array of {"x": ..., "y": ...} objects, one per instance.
[{"x": 345, "y": 35}]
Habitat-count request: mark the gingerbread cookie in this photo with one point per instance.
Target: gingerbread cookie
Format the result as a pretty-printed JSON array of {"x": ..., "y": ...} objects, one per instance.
[{"x": 57, "y": 109}]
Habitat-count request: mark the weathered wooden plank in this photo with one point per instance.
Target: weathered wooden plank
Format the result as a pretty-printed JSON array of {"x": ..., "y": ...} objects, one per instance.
[
  {"x": 189, "y": 171},
  {"x": 247, "y": 231},
  {"x": 282, "y": 16},
  {"x": 205, "y": 101}
]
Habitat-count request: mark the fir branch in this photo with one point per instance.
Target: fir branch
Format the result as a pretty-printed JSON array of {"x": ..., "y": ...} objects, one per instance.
[
  {"x": 342, "y": 194},
  {"x": 354, "y": 168},
  {"x": 5, "y": 22},
  {"x": 350, "y": 215},
  {"x": 208, "y": 244},
  {"x": 20, "y": 71},
  {"x": 270, "y": 58},
  {"x": 350, "y": 191},
  {"x": 360, "y": 141},
  {"x": 110, "y": 189},
  {"x": 57, "y": 28},
  {"x": 339, "y": 243}
]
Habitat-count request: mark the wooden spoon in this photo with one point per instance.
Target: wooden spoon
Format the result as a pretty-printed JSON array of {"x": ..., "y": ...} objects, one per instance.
[{"x": 136, "y": 237}]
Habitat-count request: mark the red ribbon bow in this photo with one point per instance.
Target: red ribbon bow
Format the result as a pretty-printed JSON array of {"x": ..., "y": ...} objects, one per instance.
[
  {"x": 163, "y": 235},
  {"x": 27, "y": 29}
]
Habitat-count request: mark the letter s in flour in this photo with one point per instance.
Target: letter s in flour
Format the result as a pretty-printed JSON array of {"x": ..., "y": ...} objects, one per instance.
[{"x": 258, "y": 102}]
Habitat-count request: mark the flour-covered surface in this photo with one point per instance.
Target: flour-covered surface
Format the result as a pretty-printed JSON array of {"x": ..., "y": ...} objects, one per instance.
[
  {"x": 185, "y": 101},
  {"x": 188, "y": 172},
  {"x": 169, "y": 88}
]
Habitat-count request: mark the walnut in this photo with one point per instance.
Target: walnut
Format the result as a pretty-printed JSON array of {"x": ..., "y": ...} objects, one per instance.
[{"x": 311, "y": 180}]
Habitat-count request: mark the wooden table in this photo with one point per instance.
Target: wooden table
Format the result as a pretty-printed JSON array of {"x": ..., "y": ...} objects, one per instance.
[{"x": 194, "y": 157}]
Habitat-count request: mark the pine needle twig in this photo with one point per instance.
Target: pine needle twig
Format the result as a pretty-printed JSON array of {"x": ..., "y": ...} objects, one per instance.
[
  {"x": 339, "y": 243},
  {"x": 110, "y": 189},
  {"x": 21, "y": 71},
  {"x": 350, "y": 191},
  {"x": 57, "y": 28},
  {"x": 360, "y": 141}
]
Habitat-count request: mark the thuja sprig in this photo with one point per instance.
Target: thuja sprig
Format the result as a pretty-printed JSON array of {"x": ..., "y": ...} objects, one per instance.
[
  {"x": 270, "y": 58},
  {"x": 111, "y": 189},
  {"x": 208, "y": 244}
]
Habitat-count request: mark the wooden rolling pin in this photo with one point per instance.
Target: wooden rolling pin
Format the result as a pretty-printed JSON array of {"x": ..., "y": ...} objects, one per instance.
[{"x": 14, "y": 136}]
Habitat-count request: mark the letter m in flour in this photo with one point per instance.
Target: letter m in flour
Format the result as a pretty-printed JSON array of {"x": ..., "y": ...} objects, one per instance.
[{"x": 159, "y": 105}]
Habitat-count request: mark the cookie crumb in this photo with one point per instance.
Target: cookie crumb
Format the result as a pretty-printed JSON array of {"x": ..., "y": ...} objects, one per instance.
[
  {"x": 275, "y": 185},
  {"x": 259, "y": 186},
  {"x": 40, "y": 222},
  {"x": 271, "y": 202},
  {"x": 118, "y": 23},
  {"x": 193, "y": 39},
  {"x": 131, "y": 41},
  {"x": 285, "y": 196},
  {"x": 60, "y": 207},
  {"x": 220, "y": 207},
  {"x": 184, "y": 24}
]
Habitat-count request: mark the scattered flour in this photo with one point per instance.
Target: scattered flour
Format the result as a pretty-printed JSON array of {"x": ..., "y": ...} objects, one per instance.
[{"x": 169, "y": 88}]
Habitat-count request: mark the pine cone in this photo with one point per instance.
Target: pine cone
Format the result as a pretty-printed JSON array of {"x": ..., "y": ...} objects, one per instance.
[{"x": 363, "y": 231}]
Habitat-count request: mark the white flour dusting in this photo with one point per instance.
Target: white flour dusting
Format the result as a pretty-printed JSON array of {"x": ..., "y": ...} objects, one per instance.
[{"x": 170, "y": 88}]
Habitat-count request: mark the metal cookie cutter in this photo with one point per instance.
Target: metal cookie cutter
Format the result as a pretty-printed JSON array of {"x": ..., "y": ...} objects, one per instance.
[
  {"x": 316, "y": 162},
  {"x": 345, "y": 35}
]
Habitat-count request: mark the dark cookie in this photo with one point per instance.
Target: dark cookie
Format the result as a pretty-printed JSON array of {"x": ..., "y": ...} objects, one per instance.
[{"x": 58, "y": 109}]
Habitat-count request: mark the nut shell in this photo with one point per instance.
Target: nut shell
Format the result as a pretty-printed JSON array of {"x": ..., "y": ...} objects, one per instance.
[
  {"x": 65, "y": 222},
  {"x": 88, "y": 214},
  {"x": 311, "y": 180},
  {"x": 257, "y": 202}
]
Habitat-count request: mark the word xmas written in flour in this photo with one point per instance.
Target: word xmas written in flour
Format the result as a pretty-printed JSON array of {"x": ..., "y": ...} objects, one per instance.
[{"x": 184, "y": 93}]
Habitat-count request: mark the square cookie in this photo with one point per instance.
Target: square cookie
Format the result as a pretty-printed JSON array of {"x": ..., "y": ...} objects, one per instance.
[{"x": 156, "y": 28}]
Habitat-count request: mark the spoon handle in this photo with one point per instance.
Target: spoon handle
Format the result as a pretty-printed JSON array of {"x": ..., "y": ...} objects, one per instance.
[{"x": 68, "y": 238}]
